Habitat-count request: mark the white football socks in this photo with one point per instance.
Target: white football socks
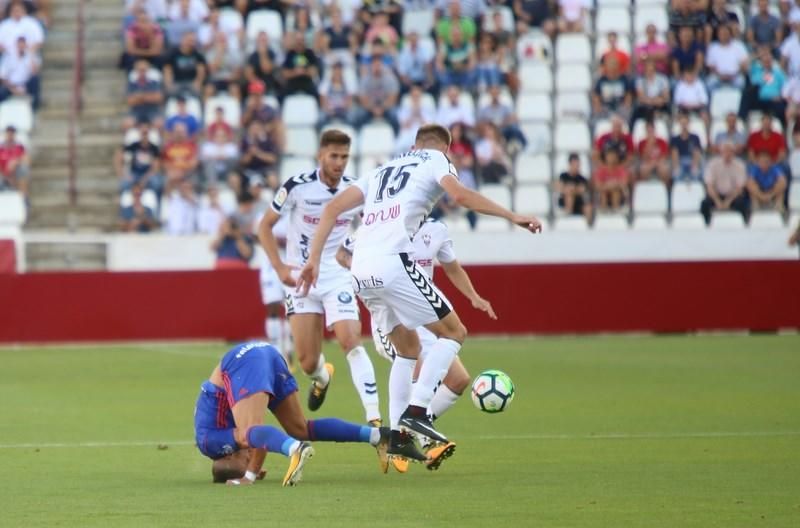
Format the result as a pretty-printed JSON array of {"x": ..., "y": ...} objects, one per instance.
[
  {"x": 280, "y": 334},
  {"x": 363, "y": 375},
  {"x": 442, "y": 401},
  {"x": 399, "y": 388},
  {"x": 321, "y": 375},
  {"x": 436, "y": 364}
]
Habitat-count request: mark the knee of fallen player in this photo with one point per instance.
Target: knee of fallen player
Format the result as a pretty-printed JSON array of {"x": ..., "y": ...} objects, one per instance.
[
  {"x": 457, "y": 378},
  {"x": 230, "y": 467}
]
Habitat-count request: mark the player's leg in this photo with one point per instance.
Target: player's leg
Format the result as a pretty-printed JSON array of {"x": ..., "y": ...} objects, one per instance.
[
  {"x": 451, "y": 388},
  {"x": 307, "y": 332},
  {"x": 277, "y": 329}
]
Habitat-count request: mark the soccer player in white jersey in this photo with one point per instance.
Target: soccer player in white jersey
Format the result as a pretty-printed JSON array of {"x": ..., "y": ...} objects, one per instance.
[
  {"x": 303, "y": 199},
  {"x": 431, "y": 243},
  {"x": 400, "y": 296}
]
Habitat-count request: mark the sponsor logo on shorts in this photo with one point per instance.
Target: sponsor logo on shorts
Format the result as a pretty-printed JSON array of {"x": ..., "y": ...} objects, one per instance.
[
  {"x": 344, "y": 297},
  {"x": 371, "y": 283}
]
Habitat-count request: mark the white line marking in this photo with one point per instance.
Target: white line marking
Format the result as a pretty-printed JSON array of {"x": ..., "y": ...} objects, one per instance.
[{"x": 543, "y": 436}]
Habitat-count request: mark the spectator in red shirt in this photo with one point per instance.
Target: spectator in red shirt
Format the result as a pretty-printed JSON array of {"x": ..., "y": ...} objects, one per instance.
[
  {"x": 14, "y": 163},
  {"x": 766, "y": 140},
  {"x": 180, "y": 158},
  {"x": 623, "y": 59},
  {"x": 611, "y": 182},
  {"x": 617, "y": 140},
  {"x": 143, "y": 40},
  {"x": 219, "y": 123},
  {"x": 653, "y": 156}
]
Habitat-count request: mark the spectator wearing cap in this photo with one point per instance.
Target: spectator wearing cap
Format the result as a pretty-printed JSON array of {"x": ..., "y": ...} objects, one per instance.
[
  {"x": 571, "y": 15},
  {"x": 652, "y": 93},
  {"x": 336, "y": 98},
  {"x": 231, "y": 27},
  {"x": 225, "y": 66},
  {"x": 180, "y": 158},
  {"x": 182, "y": 206},
  {"x": 185, "y": 68},
  {"x": 145, "y": 96},
  {"x": 487, "y": 65},
  {"x": 718, "y": 16},
  {"x": 139, "y": 162},
  {"x": 260, "y": 153},
  {"x": 14, "y": 163},
  {"x": 725, "y": 178},
  {"x": 137, "y": 217},
  {"x": 535, "y": 14},
  {"x": 219, "y": 155},
  {"x": 503, "y": 117},
  {"x": 233, "y": 246},
  {"x": 256, "y": 107},
  {"x": 686, "y": 151},
  {"x": 143, "y": 40},
  {"x": 687, "y": 55},
  {"x": 261, "y": 67},
  {"x": 411, "y": 115},
  {"x": 20, "y": 24},
  {"x": 183, "y": 117},
  {"x": 653, "y": 156},
  {"x": 617, "y": 140},
  {"x": 573, "y": 189},
  {"x": 766, "y": 140},
  {"x": 623, "y": 59},
  {"x": 454, "y": 18},
  {"x": 455, "y": 109},
  {"x": 613, "y": 91},
  {"x": 415, "y": 63},
  {"x": 767, "y": 80},
  {"x": 300, "y": 68},
  {"x": 378, "y": 94},
  {"x": 653, "y": 49},
  {"x": 727, "y": 61},
  {"x": 611, "y": 182},
  {"x": 456, "y": 60},
  {"x": 767, "y": 183},
  {"x": 19, "y": 73},
  {"x": 732, "y": 135},
  {"x": 764, "y": 28}
]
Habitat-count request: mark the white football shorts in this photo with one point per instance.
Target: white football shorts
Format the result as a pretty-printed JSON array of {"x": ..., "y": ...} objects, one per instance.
[
  {"x": 333, "y": 298},
  {"x": 271, "y": 287}
]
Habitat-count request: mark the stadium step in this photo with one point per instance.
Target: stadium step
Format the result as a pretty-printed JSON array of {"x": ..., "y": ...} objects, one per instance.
[{"x": 43, "y": 256}]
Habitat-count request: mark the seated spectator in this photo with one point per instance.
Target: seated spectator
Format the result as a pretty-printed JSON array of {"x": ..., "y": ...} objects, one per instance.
[
  {"x": 790, "y": 49},
  {"x": 623, "y": 59},
  {"x": 652, "y": 93},
  {"x": 453, "y": 109},
  {"x": 487, "y": 66},
  {"x": 219, "y": 123},
  {"x": 494, "y": 164},
  {"x": 687, "y": 55},
  {"x": 503, "y": 117},
  {"x": 139, "y": 162},
  {"x": 691, "y": 96},
  {"x": 725, "y": 177},
  {"x": 185, "y": 68},
  {"x": 182, "y": 206},
  {"x": 573, "y": 189},
  {"x": 261, "y": 66},
  {"x": 180, "y": 158},
  {"x": 505, "y": 49},
  {"x": 137, "y": 218},
  {"x": 380, "y": 29},
  {"x": 410, "y": 116},
  {"x": 731, "y": 134},
  {"x": 156, "y": 9},
  {"x": 767, "y": 80},
  {"x": 184, "y": 17},
  {"x": 183, "y": 117},
  {"x": 767, "y": 183},
  {"x": 20, "y": 25},
  {"x": 462, "y": 156},
  {"x": 379, "y": 49},
  {"x": 338, "y": 41},
  {"x": 613, "y": 92},
  {"x": 300, "y": 69},
  {"x": 225, "y": 67},
  {"x": 453, "y": 19},
  {"x": 336, "y": 98},
  {"x": 653, "y": 156},
  {"x": 611, "y": 181},
  {"x": 299, "y": 21},
  {"x": 653, "y": 49},
  {"x": 196, "y": 10},
  {"x": 219, "y": 155},
  {"x": 572, "y": 13},
  {"x": 14, "y": 163},
  {"x": 687, "y": 152},
  {"x": 456, "y": 61},
  {"x": 231, "y": 27},
  {"x": 378, "y": 94},
  {"x": 764, "y": 28},
  {"x": 211, "y": 214},
  {"x": 534, "y": 14},
  {"x": 687, "y": 13},
  {"x": 256, "y": 107},
  {"x": 143, "y": 40},
  {"x": 791, "y": 97},
  {"x": 144, "y": 97},
  {"x": 19, "y": 73},
  {"x": 233, "y": 246},
  {"x": 721, "y": 16},
  {"x": 617, "y": 140},
  {"x": 260, "y": 153},
  {"x": 415, "y": 63},
  {"x": 727, "y": 61},
  {"x": 766, "y": 140}
]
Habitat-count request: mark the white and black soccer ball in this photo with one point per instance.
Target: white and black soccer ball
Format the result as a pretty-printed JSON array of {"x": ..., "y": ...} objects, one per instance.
[{"x": 492, "y": 391}]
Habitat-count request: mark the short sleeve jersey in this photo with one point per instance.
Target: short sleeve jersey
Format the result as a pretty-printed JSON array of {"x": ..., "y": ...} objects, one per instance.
[
  {"x": 398, "y": 196},
  {"x": 303, "y": 198}
]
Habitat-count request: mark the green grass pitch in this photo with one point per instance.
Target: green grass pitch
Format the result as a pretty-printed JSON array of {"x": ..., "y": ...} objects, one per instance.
[{"x": 604, "y": 432}]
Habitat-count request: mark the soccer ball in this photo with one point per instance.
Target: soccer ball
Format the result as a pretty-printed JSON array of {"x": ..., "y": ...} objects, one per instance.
[{"x": 492, "y": 391}]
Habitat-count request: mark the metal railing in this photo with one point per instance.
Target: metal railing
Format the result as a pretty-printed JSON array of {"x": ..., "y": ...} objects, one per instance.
[{"x": 76, "y": 105}]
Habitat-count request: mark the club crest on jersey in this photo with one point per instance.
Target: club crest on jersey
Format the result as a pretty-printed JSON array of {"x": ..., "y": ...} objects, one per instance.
[
  {"x": 227, "y": 449},
  {"x": 281, "y": 197},
  {"x": 426, "y": 239},
  {"x": 345, "y": 297}
]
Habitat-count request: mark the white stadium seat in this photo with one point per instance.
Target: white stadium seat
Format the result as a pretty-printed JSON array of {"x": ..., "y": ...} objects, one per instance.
[
  {"x": 538, "y": 135},
  {"x": 230, "y": 107},
  {"x": 572, "y": 136},
  {"x": 794, "y": 196},
  {"x": 726, "y": 220},
  {"x": 229, "y": 17},
  {"x": 532, "y": 199},
  {"x": 149, "y": 199},
  {"x": 17, "y": 112},
  {"x": 573, "y": 78},
  {"x": 301, "y": 141},
  {"x": 376, "y": 139},
  {"x": 427, "y": 101},
  {"x": 650, "y": 197},
  {"x": 536, "y": 77},
  {"x": 649, "y": 223},
  {"x": 610, "y": 222},
  {"x": 264, "y": 20},
  {"x": 639, "y": 130},
  {"x": 506, "y": 17},
  {"x": 655, "y": 14},
  {"x": 457, "y": 223},
  {"x": 723, "y": 101},
  {"x": 754, "y": 122},
  {"x": 605, "y": 3},
  {"x": 301, "y": 110},
  {"x": 419, "y": 20},
  {"x": 610, "y": 19},
  {"x": 766, "y": 220},
  {"x": 601, "y": 126},
  {"x": 686, "y": 197},
  {"x": 492, "y": 224},
  {"x": 533, "y": 168},
  {"x": 12, "y": 209},
  {"x": 689, "y": 221},
  {"x": 571, "y": 223},
  {"x": 573, "y": 48},
  {"x": 367, "y": 164},
  {"x": 573, "y": 105},
  {"x": 292, "y": 166},
  {"x": 485, "y": 99},
  {"x": 534, "y": 107},
  {"x": 794, "y": 162},
  {"x": 193, "y": 107},
  {"x": 534, "y": 46},
  {"x": 497, "y": 192}
]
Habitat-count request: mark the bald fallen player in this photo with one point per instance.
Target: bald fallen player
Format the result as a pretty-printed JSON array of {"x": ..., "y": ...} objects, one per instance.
[{"x": 229, "y": 424}]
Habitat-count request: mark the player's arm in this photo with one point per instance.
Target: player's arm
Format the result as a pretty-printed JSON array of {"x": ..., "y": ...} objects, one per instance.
[
  {"x": 270, "y": 245},
  {"x": 460, "y": 279},
  {"x": 350, "y": 198},
  {"x": 475, "y": 201}
]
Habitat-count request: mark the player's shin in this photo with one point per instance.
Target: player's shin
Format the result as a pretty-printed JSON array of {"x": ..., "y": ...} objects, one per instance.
[
  {"x": 363, "y": 375},
  {"x": 436, "y": 364},
  {"x": 399, "y": 387},
  {"x": 272, "y": 439},
  {"x": 336, "y": 430}
]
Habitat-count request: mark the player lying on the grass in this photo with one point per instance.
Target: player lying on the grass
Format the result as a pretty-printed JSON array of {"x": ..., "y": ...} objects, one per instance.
[
  {"x": 250, "y": 379},
  {"x": 397, "y": 197},
  {"x": 303, "y": 198},
  {"x": 431, "y": 243}
]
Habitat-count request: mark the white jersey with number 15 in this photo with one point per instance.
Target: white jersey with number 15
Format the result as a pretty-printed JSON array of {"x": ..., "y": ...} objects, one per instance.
[{"x": 398, "y": 196}]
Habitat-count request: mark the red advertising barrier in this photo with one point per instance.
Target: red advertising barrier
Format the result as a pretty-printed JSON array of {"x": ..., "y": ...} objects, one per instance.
[
  {"x": 544, "y": 299},
  {"x": 8, "y": 256}
]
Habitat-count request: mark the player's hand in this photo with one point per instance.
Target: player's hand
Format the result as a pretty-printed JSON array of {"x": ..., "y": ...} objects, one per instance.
[
  {"x": 531, "y": 223},
  {"x": 285, "y": 275},
  {"x": 479, "y": 303},
  {"x": 308, "y": 277}
]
